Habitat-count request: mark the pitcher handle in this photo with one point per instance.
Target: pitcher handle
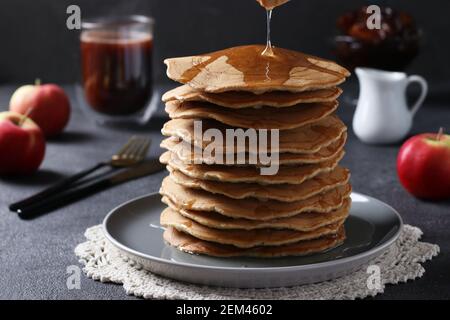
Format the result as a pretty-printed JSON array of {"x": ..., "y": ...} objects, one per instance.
[{"x": 424, "y": 85}]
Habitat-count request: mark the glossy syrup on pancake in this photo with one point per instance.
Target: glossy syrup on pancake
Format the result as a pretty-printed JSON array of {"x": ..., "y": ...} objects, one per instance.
[
  {"x": 257, "y": 68},
  {"x": 254, "y": 65}
]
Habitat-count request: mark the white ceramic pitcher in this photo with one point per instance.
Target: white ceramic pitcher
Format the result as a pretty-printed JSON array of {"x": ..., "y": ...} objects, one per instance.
[{"x": 382, "y": 115}]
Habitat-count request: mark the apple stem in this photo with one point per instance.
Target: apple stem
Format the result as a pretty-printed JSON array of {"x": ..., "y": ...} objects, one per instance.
[
  {"x": 440, "y": 134},
  {"x": 25, "y": 116},
  {"x": 22, "y": 120},
  {"x": 37, "y": 82}
]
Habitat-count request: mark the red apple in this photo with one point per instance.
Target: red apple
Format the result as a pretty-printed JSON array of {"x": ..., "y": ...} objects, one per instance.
[
  {"x": 423, "y": 166},
  {"x": 22, "y": 144},
  {"x": 47, "y": 105}
]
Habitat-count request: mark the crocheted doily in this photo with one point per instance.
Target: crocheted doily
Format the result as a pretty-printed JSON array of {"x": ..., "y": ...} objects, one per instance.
[{"x": 400, "y": 263}]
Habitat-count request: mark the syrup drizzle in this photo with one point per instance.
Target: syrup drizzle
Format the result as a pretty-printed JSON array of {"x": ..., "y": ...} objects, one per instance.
[
  {"x": 256, "y": 67},
  {"x": 268, "y": 51}
]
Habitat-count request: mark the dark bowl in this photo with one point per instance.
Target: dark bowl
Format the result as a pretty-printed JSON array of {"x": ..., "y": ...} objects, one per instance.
[{"x": 393, "y": 54}]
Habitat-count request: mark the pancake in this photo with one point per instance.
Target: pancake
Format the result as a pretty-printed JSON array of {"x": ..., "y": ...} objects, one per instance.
[
  {"x": 224, "y": 202},
  {"x": 308, "y": 139},
  {"x": 257, "y": 118},
  {"x": 303, "y": 222},
  {"x": 242, "y": 99},
  {"x": 239, "y": 238},
  {"x": 190, "y": 244},
  {"x": 282, "y": 192},
  {"x": 245, "y": 69},
  {"x": 185, "y": 152},
  {"x": 250, "y": 174},
  {"x": 250, "y": 208}
]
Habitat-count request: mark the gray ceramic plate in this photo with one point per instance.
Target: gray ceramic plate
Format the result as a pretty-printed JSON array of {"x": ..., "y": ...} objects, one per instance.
[{"x": 134, "y": 229}]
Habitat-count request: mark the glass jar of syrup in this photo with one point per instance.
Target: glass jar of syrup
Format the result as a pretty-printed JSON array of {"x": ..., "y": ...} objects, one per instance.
[{"x": 116, "y": 65}]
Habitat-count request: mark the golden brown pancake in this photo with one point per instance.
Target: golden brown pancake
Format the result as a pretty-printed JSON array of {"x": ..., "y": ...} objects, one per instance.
[
  {"x": 232, "y": 209},
  {"x": 308, "y": 139},
  {"x": 240, "y": 238},
  {"x": 185, "y": 152},
  {"x": 250, "y": 174},
  {"x": 246, "y": 69},
  {"x": 242, "y": 99},
  {"x": 190, "y": 244},
  {"x": 303, "y": 222},
  {"x": 281, "y": 192},
  {"x": 251, "y": 208},
  {"x": 257, "y": 118}
]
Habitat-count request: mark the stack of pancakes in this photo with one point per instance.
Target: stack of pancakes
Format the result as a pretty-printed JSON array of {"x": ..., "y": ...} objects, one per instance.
[{"x": 229, "y": 210}]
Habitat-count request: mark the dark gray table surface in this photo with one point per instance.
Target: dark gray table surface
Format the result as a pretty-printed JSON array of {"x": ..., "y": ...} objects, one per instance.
[{"x": 34, "y": 255}]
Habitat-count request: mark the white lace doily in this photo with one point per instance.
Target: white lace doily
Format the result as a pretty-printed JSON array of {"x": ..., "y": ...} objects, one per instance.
[{"x": 400, "y": 263}]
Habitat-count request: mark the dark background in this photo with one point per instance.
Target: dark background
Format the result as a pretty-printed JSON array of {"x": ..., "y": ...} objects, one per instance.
[{"x": 36, "y": 43}]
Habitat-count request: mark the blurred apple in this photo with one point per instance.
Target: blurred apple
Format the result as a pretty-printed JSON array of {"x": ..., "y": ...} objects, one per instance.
[
  {"x": 47, "y": 105},
  {"x": 22, "y": 144},
  {"x": 423, "y": 166}
]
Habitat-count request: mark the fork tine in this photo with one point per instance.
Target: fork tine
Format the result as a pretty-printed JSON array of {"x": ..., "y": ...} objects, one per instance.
[
  {"x": 142, "y": 152},
  {"x": 134, "y": 146},
  {"x": 125, "y": 147},
  {"x": 139, "y": 147}
]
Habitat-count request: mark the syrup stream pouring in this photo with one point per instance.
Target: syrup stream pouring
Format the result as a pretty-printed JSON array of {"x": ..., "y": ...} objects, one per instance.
[
  {"x": 269, "y": 5},
  {"x": 268, "y": 52}
]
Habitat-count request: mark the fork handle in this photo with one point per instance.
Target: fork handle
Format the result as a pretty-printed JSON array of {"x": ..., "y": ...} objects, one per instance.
[{"x": 56, "y": 188}]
